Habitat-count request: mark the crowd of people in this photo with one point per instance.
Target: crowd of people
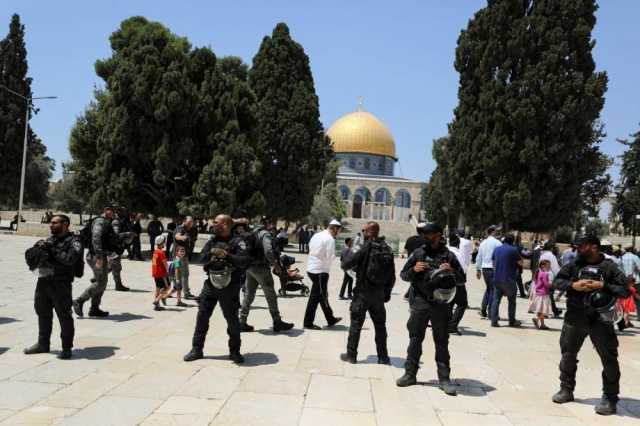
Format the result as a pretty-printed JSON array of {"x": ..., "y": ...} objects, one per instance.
[{"x": 599, "y": 286}]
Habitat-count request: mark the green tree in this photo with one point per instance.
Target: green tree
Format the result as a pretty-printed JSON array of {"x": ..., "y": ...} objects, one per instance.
[
  {"x": 627, "y": 199},
  {"x": 440, "y": 206},
  {"x": 294, "y": 150},
  {"x": 173, "y": 131},
  {"x": 524, "y": 140},
  {"x": 13, "y": 76}
]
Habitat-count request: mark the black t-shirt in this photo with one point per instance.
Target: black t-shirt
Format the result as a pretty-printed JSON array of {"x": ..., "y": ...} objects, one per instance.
[{"x": 413, "y": 242}]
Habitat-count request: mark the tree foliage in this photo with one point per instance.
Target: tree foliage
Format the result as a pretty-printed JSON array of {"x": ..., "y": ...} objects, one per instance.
[
  {"x": 293, "y": 148},
  {"x": 524, "y": 140},
  {"x": 627, "y": 201},
  {"x": 13, "y": 109},
  {"x": 173, "y": 129}
]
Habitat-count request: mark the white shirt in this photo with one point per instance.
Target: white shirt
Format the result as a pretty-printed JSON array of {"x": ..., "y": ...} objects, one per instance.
[
  {"x": 555, "y": 266},
  {"x": 466, "y": 249},
  {"x": 485, "y": 253},
  {"x": 459, "y": 255},
  {"x": 322, "y": 251}
]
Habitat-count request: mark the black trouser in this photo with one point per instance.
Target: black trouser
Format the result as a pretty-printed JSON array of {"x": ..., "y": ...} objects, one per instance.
[
  {"x": 167, "y": 249},
  {"x": 605, "y": 341},
  {"x": 487, "y": 299},
  {"x": 52, "y": 295},
  {"x": 458, "y": 306},
  {"x": 554, "y": 308},
  {"x": 347, "y": 284},
  {"x": 317, "y": 296},
  {"x": 421, "y": 313},
  {"x": 229, "y": 303},
  {"x": 520, "y": 286},
  {"x": 152, "y": 242},
  {"x": 372, "y": 302}
]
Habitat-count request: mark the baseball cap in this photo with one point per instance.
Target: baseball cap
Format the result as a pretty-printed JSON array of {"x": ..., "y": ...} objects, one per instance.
[
  {"x": 334, "y": 222},
  {"x": 160, "y": 240},
  {"x": 586, "y": 239}
]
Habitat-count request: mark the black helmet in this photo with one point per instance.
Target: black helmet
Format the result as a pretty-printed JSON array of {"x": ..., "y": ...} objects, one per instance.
[
  {"x": 432, "y": 227},
  {"x": 604, "y": 304},
  {"x": 443, "y": 283}
]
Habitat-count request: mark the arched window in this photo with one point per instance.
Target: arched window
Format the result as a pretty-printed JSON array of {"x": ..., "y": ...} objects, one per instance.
[
  {"x": 345, "y": 193},
  {"x": 403, "y": 198},
  {"x": 383, "y": 196},
  {"x": 364, "y": 193},
  {"x": 367, "y": 163},
  {"x": 352, "y": 163}
]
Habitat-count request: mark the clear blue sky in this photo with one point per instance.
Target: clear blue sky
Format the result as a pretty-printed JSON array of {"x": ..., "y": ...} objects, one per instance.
[{"x": 397, "y": 55}]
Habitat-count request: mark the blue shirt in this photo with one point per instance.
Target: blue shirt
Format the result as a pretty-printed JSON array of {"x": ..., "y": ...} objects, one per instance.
[{"x": 505, "y": 264}]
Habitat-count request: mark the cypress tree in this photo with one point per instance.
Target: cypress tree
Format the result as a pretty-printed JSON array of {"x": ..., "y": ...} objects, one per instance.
[
  {"x": 294, "y": 150},
  {"x": 13, "y": 76},
  {"x": 524, "y": 140},
  {"x": 627, "y": 202}
]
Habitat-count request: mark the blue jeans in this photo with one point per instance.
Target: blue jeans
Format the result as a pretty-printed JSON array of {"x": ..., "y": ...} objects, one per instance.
[
  {"x": 509, "y": 290},
  {"x": 487, "y": 274}
]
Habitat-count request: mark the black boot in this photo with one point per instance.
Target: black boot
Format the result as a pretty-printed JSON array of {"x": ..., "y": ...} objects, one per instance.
[
  {"x": 193, "y": 355},
  {"x": 97, "y": 312},
  {"x": 448, "y": 387},
  {"x": 236, "y": 357},
  {"x": 244, "y": 327},
  {"x": 350, "y": 358},
  {"x": 606, "y": 406},
  {"x": 121, "y": 287},
  {"x": 38, "y": 348},
  {"x": 77, "y": 307},
  {"x": 408, "y": 379},
  {"x": 280, "y": 325},
  {"x": 562, "y": 396},
  {"x": 65, "y": 354}
]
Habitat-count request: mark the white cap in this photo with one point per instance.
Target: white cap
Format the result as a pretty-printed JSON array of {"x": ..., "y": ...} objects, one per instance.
[
  {"x": 335, "y": 223},
  {"x": 160, "y": 239}
]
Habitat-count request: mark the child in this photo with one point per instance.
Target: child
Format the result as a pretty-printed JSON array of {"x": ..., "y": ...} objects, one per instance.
[
  {"x": 159, "y": 273},
  {"x": 178, "y": 273},
  {"x": 628, "y": 305},
  {"x": 541, "y": 301}
]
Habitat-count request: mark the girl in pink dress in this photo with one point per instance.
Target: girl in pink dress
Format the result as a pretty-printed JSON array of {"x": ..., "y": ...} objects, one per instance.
[{"x": 540, "y": 303}]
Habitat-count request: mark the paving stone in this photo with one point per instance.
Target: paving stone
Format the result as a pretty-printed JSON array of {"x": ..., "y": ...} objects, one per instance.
[
  {"x": 19, "y": 395},
  {"x": 275, "y": 381},
  {"x": 259, "y": 409},
  {"x": 157, "y": 385},
  {"x": 86, "y": 390},
  {"x": 39, "y": 415},
  {"x": 454, "y": 418},
  {"x": 339, "y": 393},
  {"x": 58, "y": 371},
  {"x": 114, "y": 411},
  {"x": 322, "y": 417}
]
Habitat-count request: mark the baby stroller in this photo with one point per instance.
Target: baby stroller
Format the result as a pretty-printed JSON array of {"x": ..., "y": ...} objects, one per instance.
[{"x": 290, "y": 279}]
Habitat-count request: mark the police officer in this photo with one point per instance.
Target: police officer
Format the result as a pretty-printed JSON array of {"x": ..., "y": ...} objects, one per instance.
[
  {"x": 103, "y": 243},
  {"x": 430, "y": 269},
  {"x": 121, "y": 228},
  {"x": 375, "y": 277},
  {"x": 589, "y": 273},
  {"x": 62, "y": 251},
  {"x": 259, "y": 273},
  {"x": 224, "y": 256}
]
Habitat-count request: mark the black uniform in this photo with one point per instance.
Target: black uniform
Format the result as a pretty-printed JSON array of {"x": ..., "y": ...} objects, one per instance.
[
  {"x": 237, "y": 260},
  {"x": 580, "y": 321},
  {"x": 425, "y": 309},
  {"x": 53, "y": 291},
  {"x": 368, "y": 297}
]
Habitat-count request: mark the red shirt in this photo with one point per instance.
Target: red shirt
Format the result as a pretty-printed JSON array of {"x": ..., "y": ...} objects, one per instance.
[{"x": 158, "y": 264}]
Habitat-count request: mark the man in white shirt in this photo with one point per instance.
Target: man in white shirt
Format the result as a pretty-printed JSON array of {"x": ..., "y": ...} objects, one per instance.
[
  {"x": 547, "y": 254},
  {"x": 460, "y": 302},
  {"x": 322, "y": 252},
  {"x": 484, "y": 267},
  {"x": 466, "y": 249}
]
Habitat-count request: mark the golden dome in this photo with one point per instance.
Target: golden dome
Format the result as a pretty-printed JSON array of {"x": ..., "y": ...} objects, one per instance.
[{"x": 362, "y": 132}]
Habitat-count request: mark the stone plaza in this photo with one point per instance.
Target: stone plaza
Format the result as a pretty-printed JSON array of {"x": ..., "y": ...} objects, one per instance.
[{"x": 127, "y": 369}]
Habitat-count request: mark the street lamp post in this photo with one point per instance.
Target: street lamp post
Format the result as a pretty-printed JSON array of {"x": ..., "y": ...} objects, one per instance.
[{"x": 28, "y": 102}]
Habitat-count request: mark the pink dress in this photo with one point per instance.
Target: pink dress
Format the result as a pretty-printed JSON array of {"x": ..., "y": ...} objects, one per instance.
[{"x": 541, "y": 301}]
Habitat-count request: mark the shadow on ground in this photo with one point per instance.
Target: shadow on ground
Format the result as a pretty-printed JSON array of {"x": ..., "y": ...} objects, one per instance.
[
  {"x": 95, "y": 352},
  {"x": 123, "y": 317},
  {"x": 251, "y": 359},
  {"x": 466, "y": 387},
  {"x": 5, "y": 320},
  {"x": 294, "y": 332},
  {"x": 3, "y": 350},
  {"x": 631, "y": 406}
]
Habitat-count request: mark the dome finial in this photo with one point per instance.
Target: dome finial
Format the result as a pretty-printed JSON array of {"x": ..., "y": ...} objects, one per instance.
[{"x": 360, "y": 103}]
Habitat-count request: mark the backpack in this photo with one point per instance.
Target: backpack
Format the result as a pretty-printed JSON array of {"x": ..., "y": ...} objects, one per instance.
[
  {"x": 85, "y": 234},
  {"x": 380, "y": 268},
  {"x": 78, "y": 266}
]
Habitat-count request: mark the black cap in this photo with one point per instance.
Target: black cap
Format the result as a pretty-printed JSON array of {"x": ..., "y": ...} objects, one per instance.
[
  {"x": 587, "y": 239},
  {"x": 431, "y": 227}
]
